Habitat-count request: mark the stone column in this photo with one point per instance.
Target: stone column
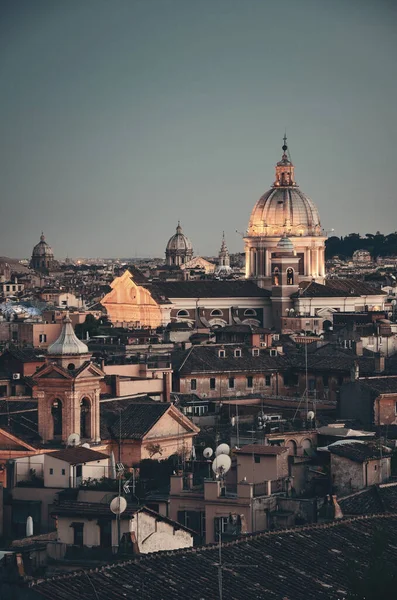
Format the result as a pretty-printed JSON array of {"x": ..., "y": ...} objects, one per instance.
[{"x": 317, "y": 261}]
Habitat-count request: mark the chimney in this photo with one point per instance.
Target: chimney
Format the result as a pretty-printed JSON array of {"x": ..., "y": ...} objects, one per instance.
[
  {"x": 355, "y": 371},
  {"x": 358, "y": 347},
  {"x": 338, "y": 511},
  {"x": 379, "y": 362}
]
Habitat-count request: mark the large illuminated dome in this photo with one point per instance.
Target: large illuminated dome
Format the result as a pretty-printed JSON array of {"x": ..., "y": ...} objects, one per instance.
[{"x": 284, "y": 210}]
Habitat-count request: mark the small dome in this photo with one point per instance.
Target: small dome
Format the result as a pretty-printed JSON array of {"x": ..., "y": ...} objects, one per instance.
[
  {"x": 285, "y": 244},
  {"x": 68, "y": 343},
  {"x": 179, "y": 241},
  {"x": 42, "y": 249}
]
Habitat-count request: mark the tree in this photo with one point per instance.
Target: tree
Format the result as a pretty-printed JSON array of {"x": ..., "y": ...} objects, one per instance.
[{"x": 90, "y": 326}]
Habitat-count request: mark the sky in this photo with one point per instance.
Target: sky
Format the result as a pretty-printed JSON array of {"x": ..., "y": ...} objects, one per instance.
[{"x": 120, "y": 117}]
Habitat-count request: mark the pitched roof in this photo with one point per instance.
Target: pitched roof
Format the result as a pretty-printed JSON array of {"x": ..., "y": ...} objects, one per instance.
[
  {"x": 209, "y": 288},
  {"x": 376, "y": 499},
  {"x": 201, "y": 359},
  {"x": 137, "y": 417},
  {"x": 336, "y": 288},
  {"x": 357, "y": 451},
  {"x": 101, "y": 509},
  {"x": 77, "y": 455},
  {"x": 262, "y": 450},
  {"x": 306, "y": 563},
  {"x": 381, "y": 385}
]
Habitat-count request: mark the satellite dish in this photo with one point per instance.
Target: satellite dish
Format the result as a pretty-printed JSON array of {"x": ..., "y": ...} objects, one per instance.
[
  {"x": 208, "y": 452},
  {"x": 222, "y": 449},
  {"x": 85, "y": 445},
  {"x": 118, "y": 505},
  {"x": 221, "y": 464},
  {"x": 73, "y": 439},
  {"x": 310, "y": 415}
]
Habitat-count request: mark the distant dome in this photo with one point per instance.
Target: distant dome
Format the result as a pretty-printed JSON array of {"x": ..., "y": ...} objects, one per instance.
[
  {"x": 42, "y": 248},
  {"x": 179, "y": 241},
  {"x": 179, "y": 249},
  {"x": 68, "y": 344},
  {"x": 42, "y": 256}
]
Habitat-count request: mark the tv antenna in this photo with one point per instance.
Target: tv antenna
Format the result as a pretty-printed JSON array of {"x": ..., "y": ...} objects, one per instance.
[{"x": 73, "y": 439}]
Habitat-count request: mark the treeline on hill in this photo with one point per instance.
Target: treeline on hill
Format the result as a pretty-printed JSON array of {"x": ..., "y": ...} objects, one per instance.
[{"x": 377, "y": 244}]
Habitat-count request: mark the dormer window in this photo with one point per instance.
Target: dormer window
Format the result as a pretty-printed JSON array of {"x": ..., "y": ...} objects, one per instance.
[
  {"x": 216, "y": 313},
  {"x": 237, "y": 353},
  {"x": 255, "y": 351},
  {"x": 221, "y": 353},
  {"x": 273, "y": 352}
]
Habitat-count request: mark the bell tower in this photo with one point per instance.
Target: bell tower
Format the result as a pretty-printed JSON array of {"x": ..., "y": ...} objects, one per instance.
[
  {"x": 284, "y": 270},
  {"x": 68, "y": 390}
]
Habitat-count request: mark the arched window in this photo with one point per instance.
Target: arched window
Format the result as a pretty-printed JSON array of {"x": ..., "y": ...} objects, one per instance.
[
  {"x": 85, "y": 418},
  {"x": 250, "y": 312},
  {"x": 182, "y": 313},
  {"x": 56, "y": 412},
  {"x": 276, "y": 276},
  {"x": 216, "y": 313},
  {"x": 306, "y": 446},
  {"x": 290, "y": 276},
  {"x": 292, "y": 447}
]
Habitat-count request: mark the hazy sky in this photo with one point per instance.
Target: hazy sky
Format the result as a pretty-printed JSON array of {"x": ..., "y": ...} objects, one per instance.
[{"x": 119, "y": 117}]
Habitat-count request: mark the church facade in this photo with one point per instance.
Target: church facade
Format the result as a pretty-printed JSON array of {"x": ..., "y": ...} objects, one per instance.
[{"x": 285, "y": 274}]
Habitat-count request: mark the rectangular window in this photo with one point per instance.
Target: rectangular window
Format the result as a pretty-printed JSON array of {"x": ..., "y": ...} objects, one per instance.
[
  {"x": 237, "y": 353},
  {"x": 257, "y": 458},
  {"x": 63, "y": 472},
  {"x": 212, "y": 383},
  {"x": 78, "y": 534},
  {"x": 312, "y": 384},
  {"x": 51, "y": 471},
  {"x": 231, "y": 383},
  {"x": 325, "y": 380},
  {"x": 267, "y": 380},
  {"x": 250, "y": 381},
  {"x": 255, "y": 351},
  {"x": 193, "y": 384},
  {"x": 222, "y": 354},
  {"x": 220, "y": 525},
  {"x": 42, "y": 338}
]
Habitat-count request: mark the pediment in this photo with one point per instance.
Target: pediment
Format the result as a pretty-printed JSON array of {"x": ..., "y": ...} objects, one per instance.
[
  {"x": 51, "y": 372},
  {"x": 90, "y": 371},
  {"x": 326, "y": 311},
  {"x": 53, "y": 375}
]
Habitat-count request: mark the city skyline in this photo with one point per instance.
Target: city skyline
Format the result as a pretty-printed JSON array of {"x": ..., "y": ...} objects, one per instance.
[{"x": 119, "y": 120}]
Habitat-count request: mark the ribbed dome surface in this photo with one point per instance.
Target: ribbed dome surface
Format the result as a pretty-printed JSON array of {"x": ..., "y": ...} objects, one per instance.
[
  {"x": 42, "y": 249},
  {"x": 67, "y": 343},
  {"x": 179, "y": 241},
  {"x": 284, "y": 210}
]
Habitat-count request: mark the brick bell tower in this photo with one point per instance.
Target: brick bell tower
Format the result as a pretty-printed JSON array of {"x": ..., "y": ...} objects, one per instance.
[
  {"x": 68, "y": 390},
  {"x": 284, "y": 269}
]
